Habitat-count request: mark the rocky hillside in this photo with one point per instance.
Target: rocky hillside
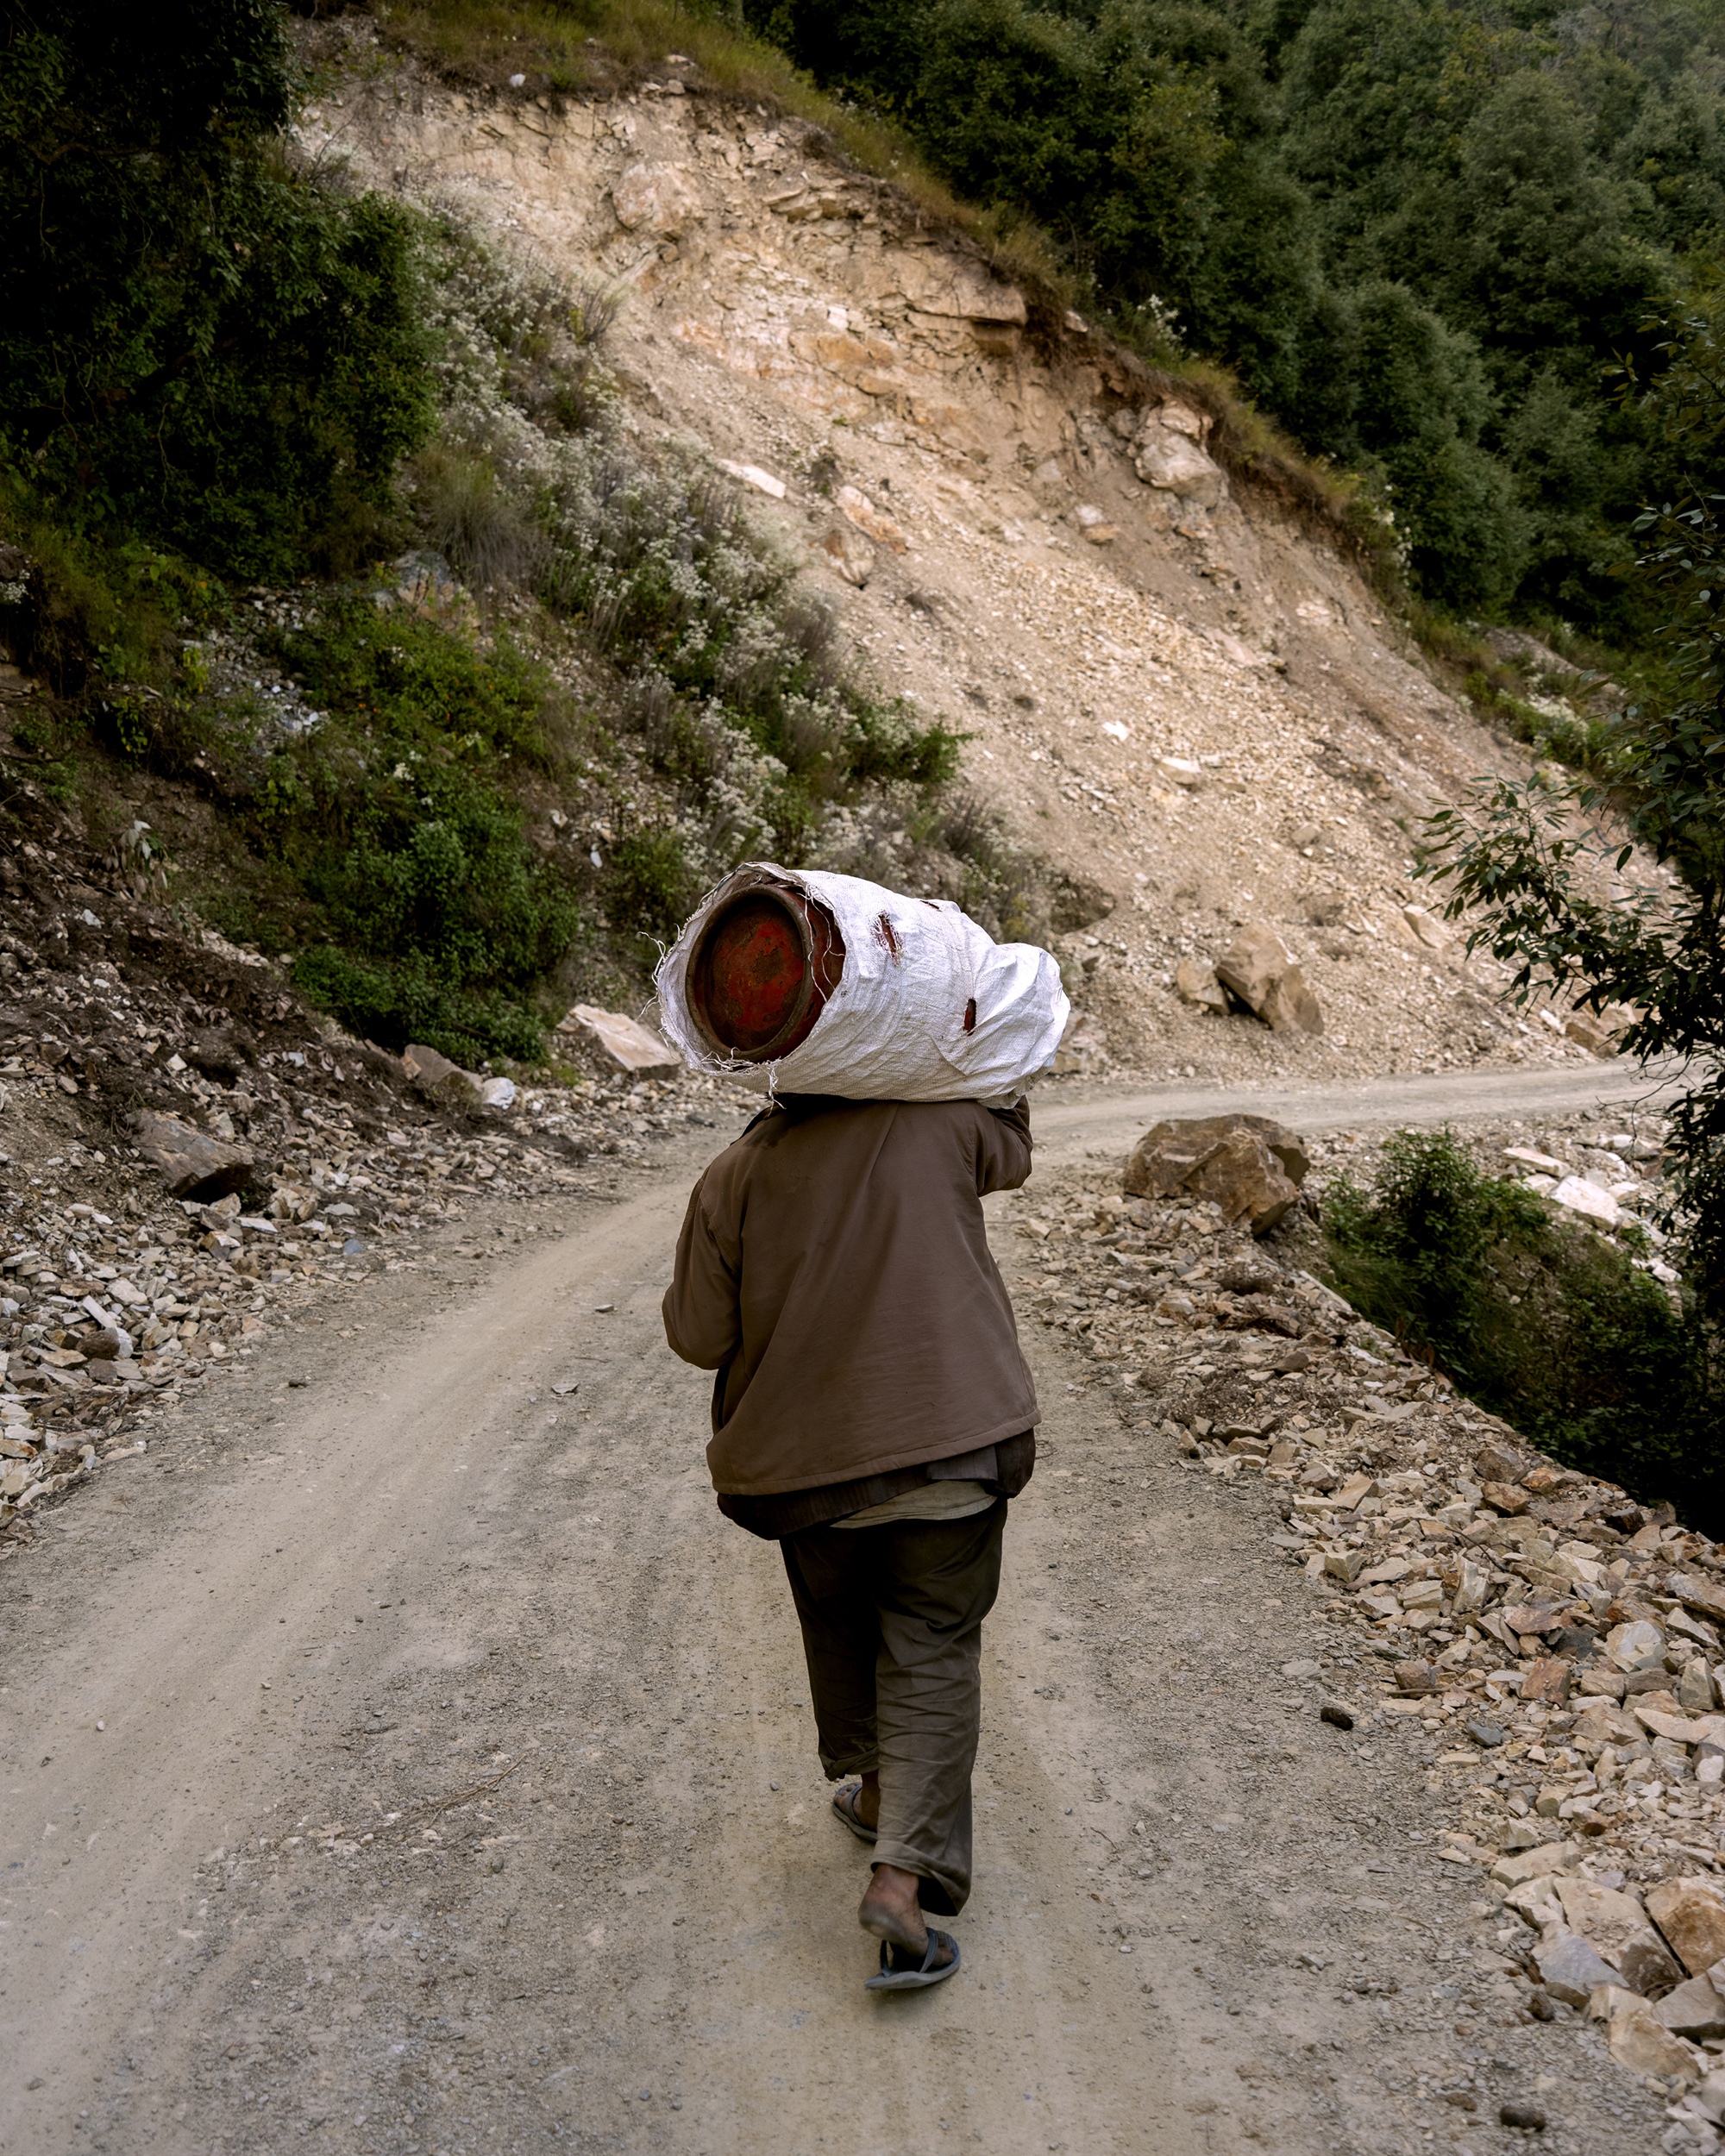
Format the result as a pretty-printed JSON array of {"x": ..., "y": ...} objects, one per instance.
[{"x": 1176, "y": 684}]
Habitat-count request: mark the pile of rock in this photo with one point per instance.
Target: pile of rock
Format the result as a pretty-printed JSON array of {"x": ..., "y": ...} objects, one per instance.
[
  {"x": 1558, "y": 1644},
  {"x": 1261, "y": 973},
  {"x": 1614, "y": 1180},
  {"x": 135, "y": 1268}
]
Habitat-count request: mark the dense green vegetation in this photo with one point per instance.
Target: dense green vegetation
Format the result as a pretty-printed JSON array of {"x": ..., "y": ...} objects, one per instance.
[
  {"x": 215, "y": 368},
  {"x": 1420, "y": 231},
  {"x": 1538, "y": 1318},
  {"x": 197, "y": 344},
  {"x": 1531, "y": 866}
]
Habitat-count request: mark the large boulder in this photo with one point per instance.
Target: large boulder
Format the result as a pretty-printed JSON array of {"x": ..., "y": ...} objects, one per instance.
[
  {"x": 434, "y": 1074},
  {"x": 1571, "y": 1968},
  {"x": 1695, "y": 2010},
  {"x": 1166, "y": 457},
  {"x": 1616, "y": 1926},
  {"x": 1260, "y": 969},
  {"x": 191, "y": 1163},
  {"x": 1249, "y": 1165},
  {"x": 630, "y": 1045},
  {"x": 1692, "y": 1915},
  {"x": 1195, "y": 982}
]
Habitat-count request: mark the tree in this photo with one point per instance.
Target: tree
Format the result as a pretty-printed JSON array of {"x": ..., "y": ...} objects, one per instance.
[
  {"x": 1422, "y": 403},
  {"x": 196, "y": 341},
  {"x": 1538, "y": 869},
  {"x": 1541, "y": 261},
  {"x": 1264, "y": 169}
]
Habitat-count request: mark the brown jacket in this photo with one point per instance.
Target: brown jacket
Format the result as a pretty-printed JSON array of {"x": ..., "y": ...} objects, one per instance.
[{"x": 834, "y": 1270}]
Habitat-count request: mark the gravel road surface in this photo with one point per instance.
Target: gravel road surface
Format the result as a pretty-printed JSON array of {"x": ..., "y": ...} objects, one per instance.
[
  {"x": 1076, "y": 1118},
  {"x": 406, "y": 1568}
]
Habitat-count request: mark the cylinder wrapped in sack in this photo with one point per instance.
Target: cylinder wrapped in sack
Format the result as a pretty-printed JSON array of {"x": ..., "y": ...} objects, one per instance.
[{"x": 792, "y": 981}]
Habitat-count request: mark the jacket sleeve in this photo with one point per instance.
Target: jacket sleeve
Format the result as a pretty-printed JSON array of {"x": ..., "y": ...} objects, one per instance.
[
  {"x": 702, "y": 1322},
  {"x": 1003, "y": 1154}
]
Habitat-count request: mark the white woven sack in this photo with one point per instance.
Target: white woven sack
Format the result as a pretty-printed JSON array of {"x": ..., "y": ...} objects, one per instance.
[{"x": 894, "y": 1028}]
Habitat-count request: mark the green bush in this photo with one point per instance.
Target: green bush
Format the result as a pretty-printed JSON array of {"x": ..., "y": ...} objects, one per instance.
[
  {"x": 423, "y": 683},
  {"x": 406, "y": 999},
  {"x": 1539, "y": 1319},
  {"x": 649, "y": 887},
  {"x": 431, "y": 917}
]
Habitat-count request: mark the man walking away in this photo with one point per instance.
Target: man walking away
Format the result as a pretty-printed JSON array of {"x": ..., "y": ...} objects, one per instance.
[{"x": 872, "y": 1413}]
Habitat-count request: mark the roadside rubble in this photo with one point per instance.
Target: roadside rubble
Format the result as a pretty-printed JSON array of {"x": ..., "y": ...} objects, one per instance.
[
  {"x": 1556, "y": 1646},
  {"x": 118, "y": 1302},
  {"x": 190, "y": 1159}
]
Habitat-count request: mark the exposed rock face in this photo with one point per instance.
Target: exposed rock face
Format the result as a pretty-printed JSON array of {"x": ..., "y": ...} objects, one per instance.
[
  {"x": 655, "y": 198},
  {"x": 942, "y": 284},
  {"x": 1247, "y": 1164},
  {"x": 1111, "y": 610},
  {"x": 1261, "y": 971}
]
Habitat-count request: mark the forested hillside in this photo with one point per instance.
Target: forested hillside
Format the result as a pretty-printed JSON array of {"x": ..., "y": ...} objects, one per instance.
[{"x": 1425, "y": 234}]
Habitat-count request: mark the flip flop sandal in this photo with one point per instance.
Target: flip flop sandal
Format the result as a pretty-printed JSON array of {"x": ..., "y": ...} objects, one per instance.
[
  {"x": 845, "y": 1809},
  {"x": 891, "y": 1979}
]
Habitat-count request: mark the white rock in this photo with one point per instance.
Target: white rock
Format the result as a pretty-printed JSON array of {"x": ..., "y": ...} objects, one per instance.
[
  {"x": 1174, "y": 465},
  {"x": 752, "y": 475},
  {"x": 1182, "y": 419},
  {"x": 1578, "y": 1195},
  {"x": 633, "y": 1046}
]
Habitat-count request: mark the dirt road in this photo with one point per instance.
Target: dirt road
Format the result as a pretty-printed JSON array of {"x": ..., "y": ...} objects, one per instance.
[
  {"x": 1076, "y": 1118},
  {"x": 246, "y": 1673}
]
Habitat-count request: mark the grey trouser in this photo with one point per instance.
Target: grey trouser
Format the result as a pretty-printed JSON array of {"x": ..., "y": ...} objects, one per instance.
[{"x": 892, "y": 1619}]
